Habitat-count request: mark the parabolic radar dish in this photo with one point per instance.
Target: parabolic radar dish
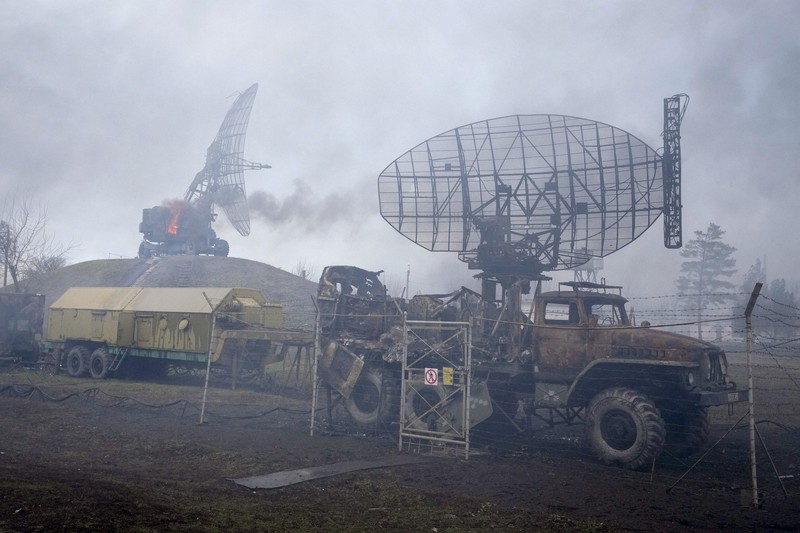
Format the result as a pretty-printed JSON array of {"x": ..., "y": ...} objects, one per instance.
[
  {"x": 525, "y": 194},
  {"x": 221, "y": 181}
]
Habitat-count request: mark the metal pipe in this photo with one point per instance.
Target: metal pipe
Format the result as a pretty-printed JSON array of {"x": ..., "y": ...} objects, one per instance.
[{"x": 752, "y": 423}]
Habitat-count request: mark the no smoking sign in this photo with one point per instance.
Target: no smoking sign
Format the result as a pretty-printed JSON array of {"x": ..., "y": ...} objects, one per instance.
[{"x": 431, "y": 376}]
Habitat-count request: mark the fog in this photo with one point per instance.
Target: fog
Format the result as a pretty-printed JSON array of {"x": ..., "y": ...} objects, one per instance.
[{"x": 108, "y": 108}]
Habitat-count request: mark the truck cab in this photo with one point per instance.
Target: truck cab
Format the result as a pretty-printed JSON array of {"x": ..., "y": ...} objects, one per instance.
[
  {"x": 583, "y": 338},
  {"x": 573, "y": 328}
]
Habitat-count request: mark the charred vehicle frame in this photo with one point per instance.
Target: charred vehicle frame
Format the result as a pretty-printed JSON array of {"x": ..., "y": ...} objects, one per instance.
[{"x": 637, "y": 390}]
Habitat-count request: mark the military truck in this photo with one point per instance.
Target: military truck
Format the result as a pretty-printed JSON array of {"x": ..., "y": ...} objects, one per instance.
[
  {"x": 102, "y": 330},
  {"x": 21, "y": 319},
  {"x": 180, "y": 228},
  {"x": 579, "y": 359}
]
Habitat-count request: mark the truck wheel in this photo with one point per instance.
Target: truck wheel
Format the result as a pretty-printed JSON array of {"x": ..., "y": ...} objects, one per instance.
[
  {"x": 77, "y": 361},
  {"x": 420, "y": 414},
  {"x": 687, "y": 430},
  {"x": 624, "y": 427},
  {"x": 374, "y": 400},
  {"x": 222, "y": 248},
  {"x": 98, "y": 363}
]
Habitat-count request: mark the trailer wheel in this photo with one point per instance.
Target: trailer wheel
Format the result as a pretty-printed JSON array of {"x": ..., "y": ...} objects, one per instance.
[
  {"x": 99, "y": 363},
  {"x": 624, "y": 427},
  {"x": 374, "y": 400},
  {"x": 77, "y": 361}
]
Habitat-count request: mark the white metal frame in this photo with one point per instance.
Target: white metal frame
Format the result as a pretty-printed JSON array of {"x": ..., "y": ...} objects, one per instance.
[{"x": 437, "y": 339}]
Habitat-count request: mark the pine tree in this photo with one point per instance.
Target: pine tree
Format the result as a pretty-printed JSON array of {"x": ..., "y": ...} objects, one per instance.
[
  {"x": 757, "y": 272},
  {"x": 783, "y": 320},
  {"x": 775, "y": 314},
  {"x": 704, "y": 274}
]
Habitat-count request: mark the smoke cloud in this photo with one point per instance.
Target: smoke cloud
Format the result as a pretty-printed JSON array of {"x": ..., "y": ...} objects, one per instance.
[
  {"x": 133, "y": 127},
  {"x": 304, "y": 208}
]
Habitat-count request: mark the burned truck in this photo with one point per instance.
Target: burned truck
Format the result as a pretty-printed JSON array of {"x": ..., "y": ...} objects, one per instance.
[
  {"x": 180, "y": 228},
  {"x": 577, "y": 358},
  {"x": 100, "y": 331}
]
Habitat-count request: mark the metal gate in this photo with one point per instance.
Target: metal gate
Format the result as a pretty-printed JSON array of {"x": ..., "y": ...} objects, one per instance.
[{"x": 435, "y": 394}]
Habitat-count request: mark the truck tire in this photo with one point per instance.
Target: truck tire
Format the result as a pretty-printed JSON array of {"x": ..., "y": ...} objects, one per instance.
[
  {"x": 419, "y": 401},
  {"x": 374, "y": 401},
  {"x": 99, "y": 363},
  {"x": 624, "y": 427},
  {"x": 222, "y": 248},
  {"x": 144, "y": 251},
  {"x": 688, "y": 430},
  {"x": 77, "y": 361}
]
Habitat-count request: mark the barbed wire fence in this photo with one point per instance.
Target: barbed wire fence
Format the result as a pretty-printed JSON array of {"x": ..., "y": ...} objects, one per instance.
[{"x": 775, "y": 365}]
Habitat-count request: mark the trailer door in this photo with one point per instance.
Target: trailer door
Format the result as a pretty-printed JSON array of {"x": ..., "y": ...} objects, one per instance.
[{"x": 143, "y": 330}]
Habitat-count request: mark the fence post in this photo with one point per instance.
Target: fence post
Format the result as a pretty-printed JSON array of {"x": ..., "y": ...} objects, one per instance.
[
  {"x": 749, "y": 321},
  {"x": 211, "y": 340},
  {"x": 315, "y": 364}
]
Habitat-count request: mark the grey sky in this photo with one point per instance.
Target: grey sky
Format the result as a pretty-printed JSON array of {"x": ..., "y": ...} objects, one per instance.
[{"x": 108, "y": 107}]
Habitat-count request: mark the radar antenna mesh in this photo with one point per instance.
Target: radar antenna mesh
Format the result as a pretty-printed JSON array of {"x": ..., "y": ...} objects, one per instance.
[
  {"x": 221, "y": 181},
  {"x": 524, "y": 194}
]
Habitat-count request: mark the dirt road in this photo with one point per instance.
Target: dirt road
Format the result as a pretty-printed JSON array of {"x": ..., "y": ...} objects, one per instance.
[{"x": 132, "y": 456}]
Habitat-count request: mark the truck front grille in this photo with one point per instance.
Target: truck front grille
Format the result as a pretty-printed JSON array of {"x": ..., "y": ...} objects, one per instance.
[{"x": 716, "y": 374}]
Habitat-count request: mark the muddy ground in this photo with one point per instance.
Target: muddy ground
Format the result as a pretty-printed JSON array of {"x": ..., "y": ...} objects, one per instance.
[{"x": 82, "y": 455}]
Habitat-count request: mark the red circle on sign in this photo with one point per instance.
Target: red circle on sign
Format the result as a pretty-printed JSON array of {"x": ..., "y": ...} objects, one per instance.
[{"x": 431, "y": 376}]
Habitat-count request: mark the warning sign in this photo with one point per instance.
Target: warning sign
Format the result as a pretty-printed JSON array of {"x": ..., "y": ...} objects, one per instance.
[
  {"x": 447, "y": 375},
  {"x": 431, "y": 376}
]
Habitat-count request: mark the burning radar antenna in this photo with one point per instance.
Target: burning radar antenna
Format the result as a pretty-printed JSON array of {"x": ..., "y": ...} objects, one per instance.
[
  {"x": 522, "y": 195},
  {"x": 183, "y": 227}
]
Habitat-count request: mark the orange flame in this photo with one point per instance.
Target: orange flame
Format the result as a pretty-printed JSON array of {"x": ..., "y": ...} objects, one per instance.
[{"x": 175, "y": 209}]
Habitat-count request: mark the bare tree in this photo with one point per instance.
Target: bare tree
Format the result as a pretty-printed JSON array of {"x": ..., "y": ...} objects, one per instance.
[
  {"x": 304, "y": 270},
  {"x": 26, "y": 249}
]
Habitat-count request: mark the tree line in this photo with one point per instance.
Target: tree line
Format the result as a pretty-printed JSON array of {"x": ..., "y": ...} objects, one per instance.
[{"x": 706, "y": 281}]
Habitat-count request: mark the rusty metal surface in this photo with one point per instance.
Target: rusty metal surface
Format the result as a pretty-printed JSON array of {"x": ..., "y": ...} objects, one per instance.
[{"x": 574, "y": 344}]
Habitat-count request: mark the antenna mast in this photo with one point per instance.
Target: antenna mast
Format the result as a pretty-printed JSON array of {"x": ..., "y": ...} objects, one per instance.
[{"x": 674, "y": 109}]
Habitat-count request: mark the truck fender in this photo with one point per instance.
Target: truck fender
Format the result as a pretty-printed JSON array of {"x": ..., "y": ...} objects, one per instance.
[
  {"x": 340, "y": 367},
  {"x": 602, "y": 373}
]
